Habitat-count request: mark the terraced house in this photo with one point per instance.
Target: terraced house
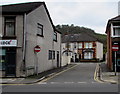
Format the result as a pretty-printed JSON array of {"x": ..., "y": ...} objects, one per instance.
[
  {"x": 29, "y": 42},
  {"x": 82, "y": 47}
]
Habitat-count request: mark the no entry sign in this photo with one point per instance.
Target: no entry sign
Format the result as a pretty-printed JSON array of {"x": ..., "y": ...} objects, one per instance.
[
  {"x": 115, "y": 47},
  {"x": 37, "y": 49}
]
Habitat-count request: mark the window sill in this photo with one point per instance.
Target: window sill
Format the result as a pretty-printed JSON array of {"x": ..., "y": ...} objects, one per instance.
[
  {"x": 55, "y": 40},
  {"x": 116, "y": 36},
  {"x": 9, "y": 37},
  {"x": 40, "y": 35}
]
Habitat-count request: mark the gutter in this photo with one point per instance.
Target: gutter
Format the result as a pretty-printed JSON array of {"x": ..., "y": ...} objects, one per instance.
[{"x": 24, "y": 42}]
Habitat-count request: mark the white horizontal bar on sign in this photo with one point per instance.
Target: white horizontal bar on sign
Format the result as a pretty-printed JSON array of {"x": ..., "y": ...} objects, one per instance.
[{"x": 8, "y": 43}]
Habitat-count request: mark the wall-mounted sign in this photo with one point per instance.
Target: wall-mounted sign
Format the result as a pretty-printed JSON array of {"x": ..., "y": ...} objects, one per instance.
[
  {"x": 115, "y": 47},
  {"x": 37, "y": 48},
  {"x": 8, "y": 43}
]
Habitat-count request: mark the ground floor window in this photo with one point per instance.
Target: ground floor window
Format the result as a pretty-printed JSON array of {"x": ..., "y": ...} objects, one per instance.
[
  {"x": 51, "y": 54},
  {"x": 88, "y": 55},
  {"x": 8, "y": 61},
  {"x": 2, "y": 59}
]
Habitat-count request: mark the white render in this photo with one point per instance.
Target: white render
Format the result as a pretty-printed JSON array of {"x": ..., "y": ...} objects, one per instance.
[
  {"x": 46, "y": 43},
  {"x": 27, "y": 39},
  {"x": 99, "y": 51}
]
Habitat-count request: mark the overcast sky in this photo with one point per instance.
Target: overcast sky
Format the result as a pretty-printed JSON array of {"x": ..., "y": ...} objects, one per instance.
[{"x": 93, "y": 14}]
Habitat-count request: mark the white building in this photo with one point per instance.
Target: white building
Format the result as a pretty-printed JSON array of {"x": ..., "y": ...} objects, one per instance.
[
  {"x": 25, "y": 26},
  {"x": 82, "y": 47}
]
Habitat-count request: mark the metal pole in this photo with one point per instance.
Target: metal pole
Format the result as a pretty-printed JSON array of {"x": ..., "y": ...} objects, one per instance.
[
  {"x": 37, "y": 63},
  {"x": 115, "y": 63}
]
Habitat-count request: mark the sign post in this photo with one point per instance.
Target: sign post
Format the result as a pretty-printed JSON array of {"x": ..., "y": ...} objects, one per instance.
[
  {"x": 115, "y": 48},
  {"x": 37, "y": 49}
]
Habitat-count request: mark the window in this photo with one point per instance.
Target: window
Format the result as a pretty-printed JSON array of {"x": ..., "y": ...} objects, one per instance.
[
  {"x": 75, "y": 45},
  {"x": 55, "y": 36},
  {"x": 116, "y": 31},
  {"x": 67, "y": 45},
  {"x": 80, "y": 45},
  {"x": 88, "y": 55},
  {"x": 51, "y": 54},
  {"x": 9, "y": 26},
  {"x": 2, "y": 59},
  {"x": 40, "y": 30},
  {"x": 88, "y": 45}
]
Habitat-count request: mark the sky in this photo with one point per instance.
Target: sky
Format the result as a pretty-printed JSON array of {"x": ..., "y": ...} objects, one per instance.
[{"x": 92, "y": 14}]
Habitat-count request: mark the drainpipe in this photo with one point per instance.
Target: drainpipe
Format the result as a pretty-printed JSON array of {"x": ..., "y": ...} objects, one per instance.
[{"x": 24, "y": 44}]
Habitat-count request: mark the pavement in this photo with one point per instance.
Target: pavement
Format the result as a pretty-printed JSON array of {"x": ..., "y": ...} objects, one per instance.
[
  {"x": 108, "y": 76},
  {"x": 34, "y": 78}
]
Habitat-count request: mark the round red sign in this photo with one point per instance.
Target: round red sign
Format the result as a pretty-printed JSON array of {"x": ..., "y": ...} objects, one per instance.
[{"x": 37, "y": 49}]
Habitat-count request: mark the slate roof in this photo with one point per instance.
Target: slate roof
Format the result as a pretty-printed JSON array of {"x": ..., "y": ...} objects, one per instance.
[
  {"x": 82, "y": 37},
  {"x": 20, "y": 8},
  {"x": 16, "y": 9},
  {"x": 115, "y": 19}
]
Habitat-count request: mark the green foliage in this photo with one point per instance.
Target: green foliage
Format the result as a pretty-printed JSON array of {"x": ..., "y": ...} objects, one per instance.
[{"x": 71, "y": 29}]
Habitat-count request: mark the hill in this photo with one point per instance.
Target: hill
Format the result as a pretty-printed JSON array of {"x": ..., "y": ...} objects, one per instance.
[{"x": 71, "y": 29}]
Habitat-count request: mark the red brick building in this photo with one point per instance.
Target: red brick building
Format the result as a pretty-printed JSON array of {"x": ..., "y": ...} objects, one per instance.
[{"x": 113, "y": 38}]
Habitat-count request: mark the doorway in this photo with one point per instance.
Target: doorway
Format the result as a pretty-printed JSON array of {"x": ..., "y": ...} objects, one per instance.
[
  {"x": 10, "y": 62},
  {"x": 58, "y": 65}
]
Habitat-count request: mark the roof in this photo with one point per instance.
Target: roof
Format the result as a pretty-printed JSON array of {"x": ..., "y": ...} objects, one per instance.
[
  {"x": 20, "y": 8},
  {"x": 82, "y": 37},
  {"x": 115, "y": 19}
]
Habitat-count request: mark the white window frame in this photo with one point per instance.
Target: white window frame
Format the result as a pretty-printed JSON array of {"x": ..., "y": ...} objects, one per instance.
[
  {"x": 112, "y": 31},
  {"x": 80, "y": 45}
]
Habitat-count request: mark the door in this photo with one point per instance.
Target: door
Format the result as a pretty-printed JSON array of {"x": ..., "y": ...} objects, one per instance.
[
  {"x": 10, "y": 61},
  {"x": 57, "y": 58}
]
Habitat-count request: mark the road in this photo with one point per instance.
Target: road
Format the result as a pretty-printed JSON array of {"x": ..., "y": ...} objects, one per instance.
[{"x": 80, "y": 78}]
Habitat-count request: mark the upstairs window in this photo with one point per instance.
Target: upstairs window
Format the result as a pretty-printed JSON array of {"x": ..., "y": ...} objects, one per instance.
[
  {"x": 39, "y": 29},
  {"x": 54, "y": 36},
  {"x": 80, "y": 45},
  {"x": 9, "y": 26},
  {"x": 116, "y": 31},
  {"x": 88, "y": 45}
]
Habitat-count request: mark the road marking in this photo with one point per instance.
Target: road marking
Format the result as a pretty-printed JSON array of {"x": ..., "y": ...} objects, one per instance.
[
  {"x": 42, "y": 83},
  {"x": 95, "y": 74},
  {"x": 68, "y": 82},
  {"x": 82, "y": 82},
  {"x": 58, "y": 74},
  {"x": 55, "y": 82}
]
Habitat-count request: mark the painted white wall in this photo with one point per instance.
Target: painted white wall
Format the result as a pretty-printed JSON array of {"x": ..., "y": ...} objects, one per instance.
[
  {"x": 46, "y": 43},
  {"x": 57, "y": 47},
  {"x": 99, "y": 50},
  {"x": 65, "y": 60}
]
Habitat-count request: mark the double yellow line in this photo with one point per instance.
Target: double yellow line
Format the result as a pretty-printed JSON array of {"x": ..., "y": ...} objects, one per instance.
[
  {"x": 46, "y": 79},
  {"x": 95, "y": 74},
  {"x": 57, "y": 74}
]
